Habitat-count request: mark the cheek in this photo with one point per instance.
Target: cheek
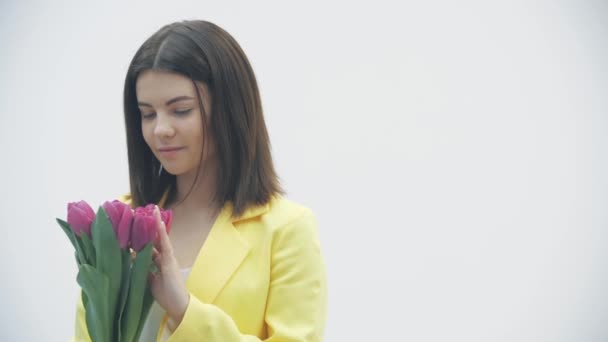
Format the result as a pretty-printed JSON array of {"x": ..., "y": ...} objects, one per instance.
[
  {"x": 197, "y": 141},
  {"x": 194, "y": 130},
  {"x": 146, "y": 132}
]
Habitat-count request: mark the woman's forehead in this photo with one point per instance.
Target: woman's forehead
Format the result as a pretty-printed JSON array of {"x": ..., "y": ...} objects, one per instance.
[{"x": 161, "y": 86}]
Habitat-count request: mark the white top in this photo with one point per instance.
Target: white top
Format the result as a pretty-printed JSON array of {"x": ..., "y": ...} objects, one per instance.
[{"x": 150, "y": 329}]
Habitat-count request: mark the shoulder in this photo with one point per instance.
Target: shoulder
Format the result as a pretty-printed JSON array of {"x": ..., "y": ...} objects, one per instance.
[
  {"x": 285, "y": 217},
  {"x": 278, "y": 215},
  {"x": 281, "y": 211},
  {"x": 125, "y": 198}
]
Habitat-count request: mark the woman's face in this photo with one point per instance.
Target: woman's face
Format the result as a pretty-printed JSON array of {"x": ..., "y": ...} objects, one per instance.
[{"x": 171, "y": 118}]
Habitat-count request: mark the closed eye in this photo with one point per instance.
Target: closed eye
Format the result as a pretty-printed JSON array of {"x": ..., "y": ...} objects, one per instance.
[
  {"x": 178, "y": 112},
  {"x": 183, "y": 112}
]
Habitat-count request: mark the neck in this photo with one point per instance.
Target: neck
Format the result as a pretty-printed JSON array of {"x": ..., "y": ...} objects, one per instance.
[{"x": 200, "y": 200}]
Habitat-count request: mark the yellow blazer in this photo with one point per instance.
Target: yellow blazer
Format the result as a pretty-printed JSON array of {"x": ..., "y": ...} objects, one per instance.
[{"x": 259, "y": 277}]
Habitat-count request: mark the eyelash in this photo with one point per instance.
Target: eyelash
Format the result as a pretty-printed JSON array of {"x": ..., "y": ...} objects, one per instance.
[{"x": 178, "y": 112}]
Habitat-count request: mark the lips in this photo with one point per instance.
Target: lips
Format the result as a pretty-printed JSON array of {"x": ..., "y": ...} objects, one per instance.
[
  {"x": 169, "y": 149},
  {"x": 170, "y": 152}
]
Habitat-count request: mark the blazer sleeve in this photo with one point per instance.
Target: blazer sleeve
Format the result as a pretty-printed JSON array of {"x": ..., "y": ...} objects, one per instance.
[
  {"x": 81, "y": 334},
  {"x": 297, "y": 298}
]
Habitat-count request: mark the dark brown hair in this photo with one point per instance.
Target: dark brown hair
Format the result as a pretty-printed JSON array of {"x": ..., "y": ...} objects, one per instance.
[{"x": 204, "y": 52}]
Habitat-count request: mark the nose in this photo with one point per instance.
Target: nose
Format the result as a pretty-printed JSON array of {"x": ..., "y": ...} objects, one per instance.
[{"x": 164, "y": 127}]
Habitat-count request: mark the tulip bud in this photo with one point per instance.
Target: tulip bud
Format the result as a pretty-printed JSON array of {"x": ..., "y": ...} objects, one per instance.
[
  {"x": 167, "y": 217},
  {"x": 144, "y": 226},
  {"x": 80, "y": 217},
  {"x": 121, "y": 216}
]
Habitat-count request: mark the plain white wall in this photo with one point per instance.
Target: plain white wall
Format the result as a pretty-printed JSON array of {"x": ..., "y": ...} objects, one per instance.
[{"x": 455, "y": 154}]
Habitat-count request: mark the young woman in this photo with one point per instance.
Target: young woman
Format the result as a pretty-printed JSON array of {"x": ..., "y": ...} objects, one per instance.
[{"x": 241, "y": 262}]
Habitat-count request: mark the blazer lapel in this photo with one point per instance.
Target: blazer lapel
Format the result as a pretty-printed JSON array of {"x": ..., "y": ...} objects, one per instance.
[{"x": 220, "y": 256}]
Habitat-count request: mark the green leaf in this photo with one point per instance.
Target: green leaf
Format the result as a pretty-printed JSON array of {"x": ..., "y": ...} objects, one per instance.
[
  {"x": 124, "y": 290},
  {"x": 81, "y": 257},
  {"x": 89, "y": 249},
  {"x": 67, "y": 230},
  {"x": 148, "y": 300},
  {"x": 95, "y": 286},
  {"x": 84, "y": 298},
  {"x": 108, "y": 258},
  {"x": 132, "y": 315},
  {"x": 147, "y": 304}
]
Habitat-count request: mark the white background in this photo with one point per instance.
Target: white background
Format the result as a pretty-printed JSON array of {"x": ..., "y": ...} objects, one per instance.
[{"x": 455, "y": 154}]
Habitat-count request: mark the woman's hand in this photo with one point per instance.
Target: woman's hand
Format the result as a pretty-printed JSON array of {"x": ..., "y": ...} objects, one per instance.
[{"x": 167, "y": 285}]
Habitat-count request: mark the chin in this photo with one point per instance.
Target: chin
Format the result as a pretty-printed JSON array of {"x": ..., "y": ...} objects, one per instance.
[
  {"x": 171, "y": 170},
  {"x": 176, "y": 171}
]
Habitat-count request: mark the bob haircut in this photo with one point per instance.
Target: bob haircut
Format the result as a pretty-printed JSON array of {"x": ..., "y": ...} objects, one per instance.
[{"x": 204, "y": 52}]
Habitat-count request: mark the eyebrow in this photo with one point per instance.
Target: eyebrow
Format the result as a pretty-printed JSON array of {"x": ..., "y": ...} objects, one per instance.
[{"x": 173, "y": 100}]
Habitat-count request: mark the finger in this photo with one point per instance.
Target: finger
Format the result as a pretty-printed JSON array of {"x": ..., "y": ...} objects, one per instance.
[
  {"x": 165, "y": 243},
  {"x": 152, "y": 277},
  {"x": 156, "y": 255}
]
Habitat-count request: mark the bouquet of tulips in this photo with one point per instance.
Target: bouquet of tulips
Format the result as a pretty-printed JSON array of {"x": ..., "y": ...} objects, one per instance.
[{"x": 114, "y": 256}]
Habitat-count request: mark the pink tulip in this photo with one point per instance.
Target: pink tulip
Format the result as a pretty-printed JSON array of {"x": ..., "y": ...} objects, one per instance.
[
  {"x": 80, "y": 217},
  {"x": 121, "y": 216},
  {"x": 144, "y": 226},
  {"x": 167, "y": 217}
]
